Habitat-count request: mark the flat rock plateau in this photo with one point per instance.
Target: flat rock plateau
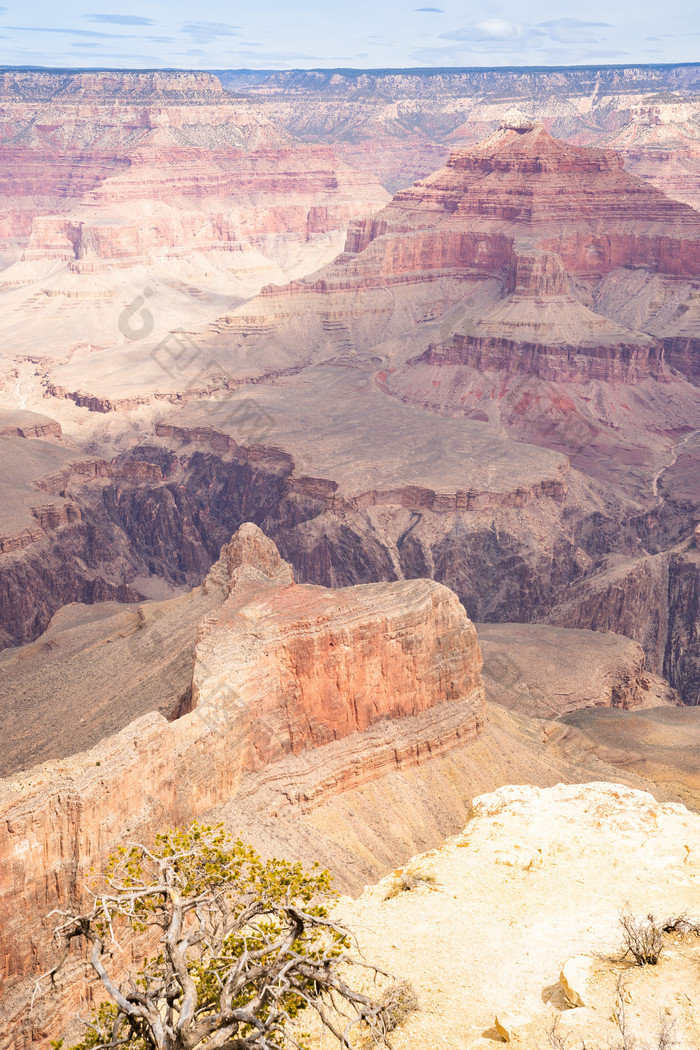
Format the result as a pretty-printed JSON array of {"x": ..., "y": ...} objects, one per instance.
[{"x": 350, "y": 471}]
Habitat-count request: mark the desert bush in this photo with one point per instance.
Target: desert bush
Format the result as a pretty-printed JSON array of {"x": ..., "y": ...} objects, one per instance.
[
  {"x": 642, "y": 938},
  {"x": 682, "y": 924},
  {"x": 398, "y": 1003},
  {"x": 409, "y": 880}
]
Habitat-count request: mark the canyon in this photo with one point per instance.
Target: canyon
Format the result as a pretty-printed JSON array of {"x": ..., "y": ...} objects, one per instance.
[
  {"x": 519, "y": 313},
  {"x": 297, "y": 708},
  {"x": 349, "y": 467},
  {"x": 404, "y": 123},
  {"x": 90, "y": 221},
  {"x": 278, "y": 668}
]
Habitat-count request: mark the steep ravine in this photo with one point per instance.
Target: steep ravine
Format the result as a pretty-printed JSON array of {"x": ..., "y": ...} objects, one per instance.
[{"x": 166, "y": 514}]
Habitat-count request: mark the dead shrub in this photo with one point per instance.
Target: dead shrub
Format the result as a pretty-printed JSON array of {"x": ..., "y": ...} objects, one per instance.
[
  {"x": 642, "y": 938},
  {"x": 398, "y": 1002},
  {"x": 409, "y": 880},
  {"x": 682, "y": 924}
]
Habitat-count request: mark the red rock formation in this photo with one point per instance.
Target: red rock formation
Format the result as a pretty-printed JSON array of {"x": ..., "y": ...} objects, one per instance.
[
  {"x": 574, "y": 201},
  {"x": 499, "y": 267},
  {"x": 210, "y": 200},
  {"x": 400, "y": 123},
  {"x": 28, "y": 425},
  {"x": 279, "y": 668},
  {"x": 324, "y": 663},
  {"x": 547, "y": 221},
  {"x": 627, "y": 363}
]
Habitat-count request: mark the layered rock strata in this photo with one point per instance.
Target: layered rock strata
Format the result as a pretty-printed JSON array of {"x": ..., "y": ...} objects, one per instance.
[
  {"x": 158, "y": 186},
  {"x": 403, "y": 390},
  {"x": 401, "y": 123},
  {"x": 279, "y": 668}
]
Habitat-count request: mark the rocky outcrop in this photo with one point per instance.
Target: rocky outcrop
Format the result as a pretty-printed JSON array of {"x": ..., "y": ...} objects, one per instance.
[
  {"x": 164, "y": 510},
  {"x": 655, "y": 600},
  {"x": 626, "y": 363},
  {"x": 279, "y": 668},
  {"x": 572, "y": 195},
  {"x": 553, "y": 869},
  {"x": 28, "y": 425},
  {"x": 322, "y": 664},
  {"x": 533, "y": 236}
]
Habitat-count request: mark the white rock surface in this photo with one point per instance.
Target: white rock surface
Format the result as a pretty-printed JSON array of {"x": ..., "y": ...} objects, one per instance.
[
  {"x": 508, "y": 1025},
  {"x": 493, "y": 938},
  {"x": 575, "y": 979}
]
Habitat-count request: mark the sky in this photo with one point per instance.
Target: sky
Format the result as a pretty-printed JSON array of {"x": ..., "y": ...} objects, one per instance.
[{"x": 366, "y": 34}]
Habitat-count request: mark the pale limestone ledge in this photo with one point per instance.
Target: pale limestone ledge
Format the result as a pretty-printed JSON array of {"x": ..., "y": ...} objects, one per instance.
[{"x": 537, "y": 877}]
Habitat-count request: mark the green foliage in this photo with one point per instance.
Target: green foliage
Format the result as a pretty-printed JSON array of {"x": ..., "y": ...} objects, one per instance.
[
  {"x": 243, "y": 945},
  {"x": 100, "y": 1029}
]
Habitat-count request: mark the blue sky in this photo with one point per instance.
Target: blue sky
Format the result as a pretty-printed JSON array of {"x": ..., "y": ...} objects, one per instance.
[{"x": 272, "y": 34}]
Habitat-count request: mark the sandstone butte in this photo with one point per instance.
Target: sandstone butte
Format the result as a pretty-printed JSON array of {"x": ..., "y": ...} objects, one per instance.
[
  {"x": 279, "y": 668},
  {"x": 534, "y": 885},
  {"x": 523, "y": 256},
  {"x": 547, "y": 213}
]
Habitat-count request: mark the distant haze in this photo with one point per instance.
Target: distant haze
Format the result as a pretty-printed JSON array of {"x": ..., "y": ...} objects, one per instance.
[{"x": 272, "y": 34}]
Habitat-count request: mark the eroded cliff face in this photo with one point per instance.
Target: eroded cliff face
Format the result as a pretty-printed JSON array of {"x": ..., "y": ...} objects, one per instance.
[
  {"x": 480, "y": 389},
  {"x": 279, "y": 668},
  {"x": 164, "y": 510},
  {"x": 655, "y": 600},
  {"x": 62, "y": 135},
  {"x": 159, "y": 186},
  {"x": 325, "y": 663}
]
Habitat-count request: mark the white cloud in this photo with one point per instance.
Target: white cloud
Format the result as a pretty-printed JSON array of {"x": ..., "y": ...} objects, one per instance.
[
  {"x": 122, "y": 20},
  {"x": 497, "y": 29},
  {"x": 499, "y": 36},
  {"x": 574, "y": 31},
  {"x": 207, "y": 32}
]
